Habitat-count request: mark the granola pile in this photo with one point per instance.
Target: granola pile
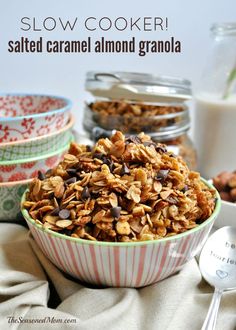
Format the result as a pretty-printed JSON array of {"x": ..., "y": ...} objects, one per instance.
[
  {"x": 121, "y": 190},
  {"x": 132, "y": 117}
]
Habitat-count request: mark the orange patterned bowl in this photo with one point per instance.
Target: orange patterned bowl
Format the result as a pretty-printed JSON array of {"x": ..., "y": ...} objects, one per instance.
[{"x": 24, "y": 116}]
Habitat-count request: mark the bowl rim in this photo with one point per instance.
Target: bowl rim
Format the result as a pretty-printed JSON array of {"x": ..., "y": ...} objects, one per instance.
[
  {"x": 38, "y": 158},
  {"x": 68, "y": 106},
  {"x": 68, "y": 126},
  {"x": 126, "y": 244}
]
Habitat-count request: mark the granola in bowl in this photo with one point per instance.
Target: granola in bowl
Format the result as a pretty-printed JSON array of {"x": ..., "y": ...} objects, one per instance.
[{"x": 121, "y": 190}]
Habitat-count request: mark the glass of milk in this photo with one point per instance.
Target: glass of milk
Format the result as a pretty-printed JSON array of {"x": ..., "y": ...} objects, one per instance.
[{"x": 215, "y": 105}]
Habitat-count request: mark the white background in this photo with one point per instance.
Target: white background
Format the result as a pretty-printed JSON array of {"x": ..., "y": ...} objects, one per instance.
[{"x": 64, "y": 74}]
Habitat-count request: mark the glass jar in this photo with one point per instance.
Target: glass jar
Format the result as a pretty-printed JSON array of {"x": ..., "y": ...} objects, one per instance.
[
  {"x": 215, "y": 104},
  {"x": 135, "y": 103}
]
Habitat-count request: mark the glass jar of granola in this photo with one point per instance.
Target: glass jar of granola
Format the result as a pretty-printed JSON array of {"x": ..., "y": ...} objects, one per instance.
[{"x": 133, "y": 103}]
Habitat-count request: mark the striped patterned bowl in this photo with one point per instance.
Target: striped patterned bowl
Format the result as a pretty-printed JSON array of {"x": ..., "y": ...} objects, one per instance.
[
  {"x": 121, "y": 264},
  {"x": 34, "y": 147}
]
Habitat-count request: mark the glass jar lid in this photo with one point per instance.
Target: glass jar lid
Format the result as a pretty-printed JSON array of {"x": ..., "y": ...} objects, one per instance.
[{"x": 140, "y": 87}]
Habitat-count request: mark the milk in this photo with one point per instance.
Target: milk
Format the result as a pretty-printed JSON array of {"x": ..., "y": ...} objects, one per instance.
[{"x": 215, "y": 134}]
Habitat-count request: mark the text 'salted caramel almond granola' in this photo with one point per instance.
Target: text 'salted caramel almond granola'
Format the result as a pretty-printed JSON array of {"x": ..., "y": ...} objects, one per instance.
[{"x": 121, "y": 190}]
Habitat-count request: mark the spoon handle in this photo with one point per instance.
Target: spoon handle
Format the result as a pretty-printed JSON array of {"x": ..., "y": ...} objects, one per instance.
[{"x": 210, "y": 321}]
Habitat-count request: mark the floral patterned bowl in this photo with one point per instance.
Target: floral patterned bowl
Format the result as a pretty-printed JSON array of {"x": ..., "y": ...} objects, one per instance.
[
  {"x": 25, "y": 116},
  {"x": 24, "y": 169},
  {"x": 34, "y": 147},
  {"x": 11, "y": 193}
]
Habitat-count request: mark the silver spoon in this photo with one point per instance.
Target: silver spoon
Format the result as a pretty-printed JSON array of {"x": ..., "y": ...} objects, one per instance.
[{"x": 218, "y": 267}]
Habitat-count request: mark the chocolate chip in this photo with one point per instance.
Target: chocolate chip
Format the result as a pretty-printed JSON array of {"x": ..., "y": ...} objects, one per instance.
[
  {"x": 71, "y": 180},
  {"x": 124, "y": 169},
  {"x": 78, "y": 166},
  {"x": 106, "y": 161},
  {"x": 71, "y": 171},
  {"x": 109, "y": 163},
  {"x": 173, "y": 156},
  {"x": 49, "y": 172},
  {"x": 185, "y": 189},
  {"x": 111, "y": 166},
  {"x": 115, "y": 212},
  {"x": 55, "y": 211},
  {"x": 67, "y": 232},
  {"x": 85, "y": 193},
  {"x": 98, "y": 155},
  {"x": 64, "y": 214},
  {"x": 88, "y": 148},
  {"x": 160, "y": 149},
  {"x": 133, "y": 139},
  {"x": 162, "y": 175},
  {"x": 41, "y": 176}
]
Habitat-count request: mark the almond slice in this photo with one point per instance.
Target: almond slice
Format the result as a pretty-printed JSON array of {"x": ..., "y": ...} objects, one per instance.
[{"x": 63, "y": 223}]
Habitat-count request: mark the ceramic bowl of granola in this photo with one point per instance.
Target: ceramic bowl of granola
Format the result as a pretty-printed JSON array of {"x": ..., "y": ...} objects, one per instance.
[
  {"x": 25, "y": 116},
  {"x": 124, "y": 213},
  {"x": 38, "y": 146},
  {"x": 11, "y": 194},
  {"x": 24, "y": 169}
]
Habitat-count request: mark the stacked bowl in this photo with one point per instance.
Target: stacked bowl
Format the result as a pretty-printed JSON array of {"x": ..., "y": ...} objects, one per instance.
[{"x": 35, "y": 132}]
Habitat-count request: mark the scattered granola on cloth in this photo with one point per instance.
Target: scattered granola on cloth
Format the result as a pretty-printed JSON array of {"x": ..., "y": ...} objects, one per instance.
[{"x": 121, "y": 190}]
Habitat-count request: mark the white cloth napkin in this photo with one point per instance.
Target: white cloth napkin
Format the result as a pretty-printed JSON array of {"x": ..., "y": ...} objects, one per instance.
[{"x": 179, "y": 302}]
